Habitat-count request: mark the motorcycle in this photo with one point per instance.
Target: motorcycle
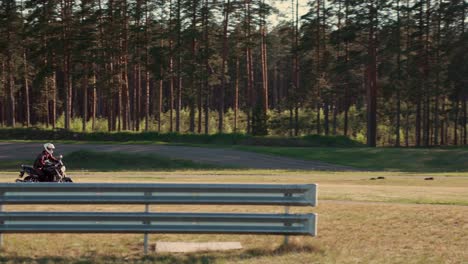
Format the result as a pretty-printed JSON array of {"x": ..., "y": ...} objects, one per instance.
[{"x": 55, "y": 169}]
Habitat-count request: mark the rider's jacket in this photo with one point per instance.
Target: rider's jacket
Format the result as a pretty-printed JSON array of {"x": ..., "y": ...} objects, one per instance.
[{"x": 40, "y": 161}]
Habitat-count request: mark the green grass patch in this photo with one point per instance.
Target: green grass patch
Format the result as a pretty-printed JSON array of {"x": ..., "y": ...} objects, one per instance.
[
  {"x": 13, "y": 165},
  {"x": 151, "y": 137},
  {"x": 108, "y": 161},
  {"x": 386, "y": 159}
]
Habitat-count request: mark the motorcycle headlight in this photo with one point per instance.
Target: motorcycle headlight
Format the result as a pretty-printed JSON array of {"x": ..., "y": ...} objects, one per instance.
[{"x": 63, "y": 169}]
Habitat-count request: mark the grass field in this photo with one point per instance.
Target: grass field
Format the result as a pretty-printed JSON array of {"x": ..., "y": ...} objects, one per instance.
[
  {"x": 387, "y": 159},
  {"x": 400, "y": 219}
]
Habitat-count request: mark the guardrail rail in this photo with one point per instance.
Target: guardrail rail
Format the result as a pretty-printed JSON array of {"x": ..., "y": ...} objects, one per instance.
[{"x": 152, "y": 194}]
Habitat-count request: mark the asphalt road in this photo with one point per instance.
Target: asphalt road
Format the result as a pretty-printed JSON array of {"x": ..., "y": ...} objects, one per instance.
[{"x": 223, "y": 157}]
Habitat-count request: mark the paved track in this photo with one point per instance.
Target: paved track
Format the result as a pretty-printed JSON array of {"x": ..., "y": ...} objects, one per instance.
[{"x": 218, "y": 156}]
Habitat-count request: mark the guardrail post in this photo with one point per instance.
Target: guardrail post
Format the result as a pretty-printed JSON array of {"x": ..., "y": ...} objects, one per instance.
[
  {"x": 1, "y": 222},
  {"x": 286, "y": 211},
  {"x": 147, "y": 194}
]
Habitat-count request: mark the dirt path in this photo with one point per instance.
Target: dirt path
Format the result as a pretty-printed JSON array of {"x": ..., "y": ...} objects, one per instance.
[{"x": 224, "y": 157}]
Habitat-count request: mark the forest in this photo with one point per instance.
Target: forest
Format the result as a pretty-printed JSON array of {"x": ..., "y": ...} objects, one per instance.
[{"x": 383, "y": 72}]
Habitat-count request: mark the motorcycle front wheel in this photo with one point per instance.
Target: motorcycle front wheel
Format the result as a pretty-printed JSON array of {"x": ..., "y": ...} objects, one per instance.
[{"x": 66, "y": 179}]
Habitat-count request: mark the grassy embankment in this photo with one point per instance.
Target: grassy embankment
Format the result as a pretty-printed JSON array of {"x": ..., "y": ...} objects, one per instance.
[
  {"x": 374, "y": 159},
  {"x": 386, "y": 159},
  {"x": 109, "y": 161},
  {"x": 335, "y": 150},
  {"x": 359, "y": 230}
]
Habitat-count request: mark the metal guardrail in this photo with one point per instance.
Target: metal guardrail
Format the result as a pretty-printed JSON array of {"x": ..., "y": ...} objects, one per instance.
[
  {"x": 134, "y": 222},
  {"x": 182, "y": 223},
  {"x": 89, "y": 193}
]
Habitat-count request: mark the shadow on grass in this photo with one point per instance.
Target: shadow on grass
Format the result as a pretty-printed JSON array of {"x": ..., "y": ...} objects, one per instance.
[{"x": 179, "y": 258}]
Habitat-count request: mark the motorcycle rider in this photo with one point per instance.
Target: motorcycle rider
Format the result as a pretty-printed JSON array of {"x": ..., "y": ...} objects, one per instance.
[{"x": 40, "y": 164}]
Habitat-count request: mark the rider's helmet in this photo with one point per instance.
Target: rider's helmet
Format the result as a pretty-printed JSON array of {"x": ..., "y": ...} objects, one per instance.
[{"x": 49, "y": 147}]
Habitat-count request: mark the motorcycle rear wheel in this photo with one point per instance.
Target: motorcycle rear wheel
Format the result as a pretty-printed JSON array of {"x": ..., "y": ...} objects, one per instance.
[{"x": 31, "y": 179}]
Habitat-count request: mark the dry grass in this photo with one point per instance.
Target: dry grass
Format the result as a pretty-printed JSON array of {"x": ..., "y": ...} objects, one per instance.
[{"x": 351, "y": 231}]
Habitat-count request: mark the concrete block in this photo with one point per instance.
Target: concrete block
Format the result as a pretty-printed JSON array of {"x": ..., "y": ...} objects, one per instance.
[{"x": 186, "y": 247}]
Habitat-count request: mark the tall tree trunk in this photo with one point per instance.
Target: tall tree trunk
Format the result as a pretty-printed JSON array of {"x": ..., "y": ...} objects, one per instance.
[
  {"x": 398, "y": 88},
  {"x": 250, "y": 71},
  {"x": 147, "y": 98},
  {"x": 407, "y": 127},
  {"x": 147, "y": 74},
  {"x": 191, "y": 116},
  {"x": 227, "y": 7},
  {"x": 335, "y": 117},
  {"x": 442, "y": 124},
  {"x": 447, "y": 127},
  {"x": 135, "y": 96},
  {"x": 26, "y": 91},
  {"x": 206, "y": 73},
  {"x": 120, "y": 84},
  {"x": 160, "y": 101},
  {"x": 317, "y": 62},
  {"x": 171, "y": 70},
  {"x": 455, "y": 123},
  {"x": 418, "y": 123},
  {"x": 66, "y": 16},
  {"x": 46, "y": 91},
  {"x": 291, "y": 120},
  {"x": 3, "y": 95},
  {"x": 326, "y": 111},
  {"x": 263, "y": 50},
  {"x": 371, "y": 78},
  {"x": 179, "y": 94},
  {"x": 11, "y": 94},
  {"x": 207, "y": 109},
  {"x": 139, "y": 95},
  {"x": 193, "y": 80},
  {"x": 136, "y": 70},
  {"x": 94, "y": 107},
  {"x": 179, "y": 67},
  {"x": 236, "y": 94},
  {"x": 296, "y": 70},
  {"x": 437, "y": 82},
  {"x": 346, "y": 89},
  {"x": 200, "y": 107},
  {"x": 296, "y": 120},
  {"x": 84, "y": 85},
  {"x": 275, "y": 89},
  {"x": 101, "y": 44},
  {"x": 338, "y": 55},
  {"x": 171, "y": 96},
  {"x": 427, "y": 67},
  {"x": 346, "y": 120},
  {"x": 10, "y": 11},
  {"x": 398, "y": 120},
  {"x": 54, "y": 99},
  {"x": 420, "y": 91},
  {"x": 125, "y": 108},
  {"x": 464, "y": 119}
]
